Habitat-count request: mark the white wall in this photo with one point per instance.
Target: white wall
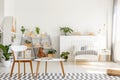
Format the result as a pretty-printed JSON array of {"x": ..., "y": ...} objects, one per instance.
[
  {"x": 9, "y": 7},
  {"x": 49, "y": 15},
  {"x": 7, "y": 30},
  {"x": 82, "y": 15},
  {"x": 1, "y": 10}
]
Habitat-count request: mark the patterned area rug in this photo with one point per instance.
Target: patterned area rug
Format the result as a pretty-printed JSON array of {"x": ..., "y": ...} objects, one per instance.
[{"x": 58, "y": 76}]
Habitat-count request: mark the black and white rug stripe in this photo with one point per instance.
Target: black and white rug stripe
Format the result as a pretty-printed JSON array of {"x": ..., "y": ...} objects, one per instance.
[{"x": 59, "y": 76}]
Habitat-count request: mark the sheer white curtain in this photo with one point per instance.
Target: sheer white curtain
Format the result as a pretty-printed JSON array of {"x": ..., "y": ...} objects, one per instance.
[{"x": 116, "y": 31}]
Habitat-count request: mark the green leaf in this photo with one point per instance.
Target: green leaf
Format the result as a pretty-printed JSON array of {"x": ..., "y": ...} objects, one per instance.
[
  {"x": 22, "y": 29},
  {"x": 66, "y": 30},
  {"x": 65, "y": 55},
  {"x": 5, "y": 49},
  {"x": 52, "y": 51},
  {"x": 37, "y": 30}
]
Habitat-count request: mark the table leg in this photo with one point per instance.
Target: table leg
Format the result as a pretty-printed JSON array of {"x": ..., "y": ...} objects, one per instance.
[
  {"x": 38, "y": 63},
  {"x": 62, "y": 68},
  {"x": 45, "y": 67},
  {"x": 31, "y": 67},
  {"x": 24, "y": 69}
]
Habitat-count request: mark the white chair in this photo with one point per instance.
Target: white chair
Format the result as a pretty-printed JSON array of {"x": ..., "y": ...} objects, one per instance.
[{"x": 15, "y": 51}]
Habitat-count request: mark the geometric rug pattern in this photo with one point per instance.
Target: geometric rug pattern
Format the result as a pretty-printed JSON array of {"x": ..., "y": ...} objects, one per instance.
[{"x": 59, "y": 76}]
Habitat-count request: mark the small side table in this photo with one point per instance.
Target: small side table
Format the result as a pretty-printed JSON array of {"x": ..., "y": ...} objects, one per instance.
[
  {"x": 105, "y": 53},
  {"x": 49, "y": 60}
]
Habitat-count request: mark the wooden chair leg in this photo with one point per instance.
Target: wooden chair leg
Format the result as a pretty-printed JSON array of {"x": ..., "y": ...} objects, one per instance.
[
  {"x": 31, "y": 67},
  {"x": 12, "y": 68},
  {"x": 24, "y": 69},
  {"x": 62, "y": 68},
  {"x": 45, "y": 67},
  {"x": 19, "y": 69},
  {"x": 38, "y": 63}
]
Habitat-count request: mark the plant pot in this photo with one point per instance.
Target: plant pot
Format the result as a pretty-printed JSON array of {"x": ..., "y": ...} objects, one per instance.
[
  {"x": 28, "y": 45},
  {"x": 23, "y": 35},
  {"x": 51, "y": 55},
  {"x": 6, "y": 63},
  {"x": 65, "y": 60},
  {"x": 38, "y": 35}
]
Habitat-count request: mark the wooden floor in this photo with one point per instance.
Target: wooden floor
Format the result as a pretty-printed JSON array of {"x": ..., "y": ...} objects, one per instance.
[{"x": 69, "y": 67}]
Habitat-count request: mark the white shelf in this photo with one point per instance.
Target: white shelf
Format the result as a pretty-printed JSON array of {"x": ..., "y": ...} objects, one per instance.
[{"x": 37, "y": 42}]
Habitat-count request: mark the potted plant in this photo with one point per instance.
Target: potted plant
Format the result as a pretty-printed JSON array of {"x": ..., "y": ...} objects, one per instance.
[
  {"x": 37, "y": 29},
  {"x": 66, "y": 30},
  {"x": 5, "y": 54},
  {"x": 23, "y": 30},
  {"x": 64, "y": 55},
  {"x": 51, "y": 53},
  {"x": 28, "y": 43}
]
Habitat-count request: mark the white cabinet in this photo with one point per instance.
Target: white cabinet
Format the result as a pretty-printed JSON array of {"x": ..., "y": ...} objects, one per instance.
[{"x": 65, "y": 43}]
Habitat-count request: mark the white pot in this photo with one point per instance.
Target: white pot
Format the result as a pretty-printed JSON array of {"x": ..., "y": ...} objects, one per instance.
[
  {"x": 23, "y": 35},
  {"x": 38, "y": 35},
  {"x": 6, "y": 63}
]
